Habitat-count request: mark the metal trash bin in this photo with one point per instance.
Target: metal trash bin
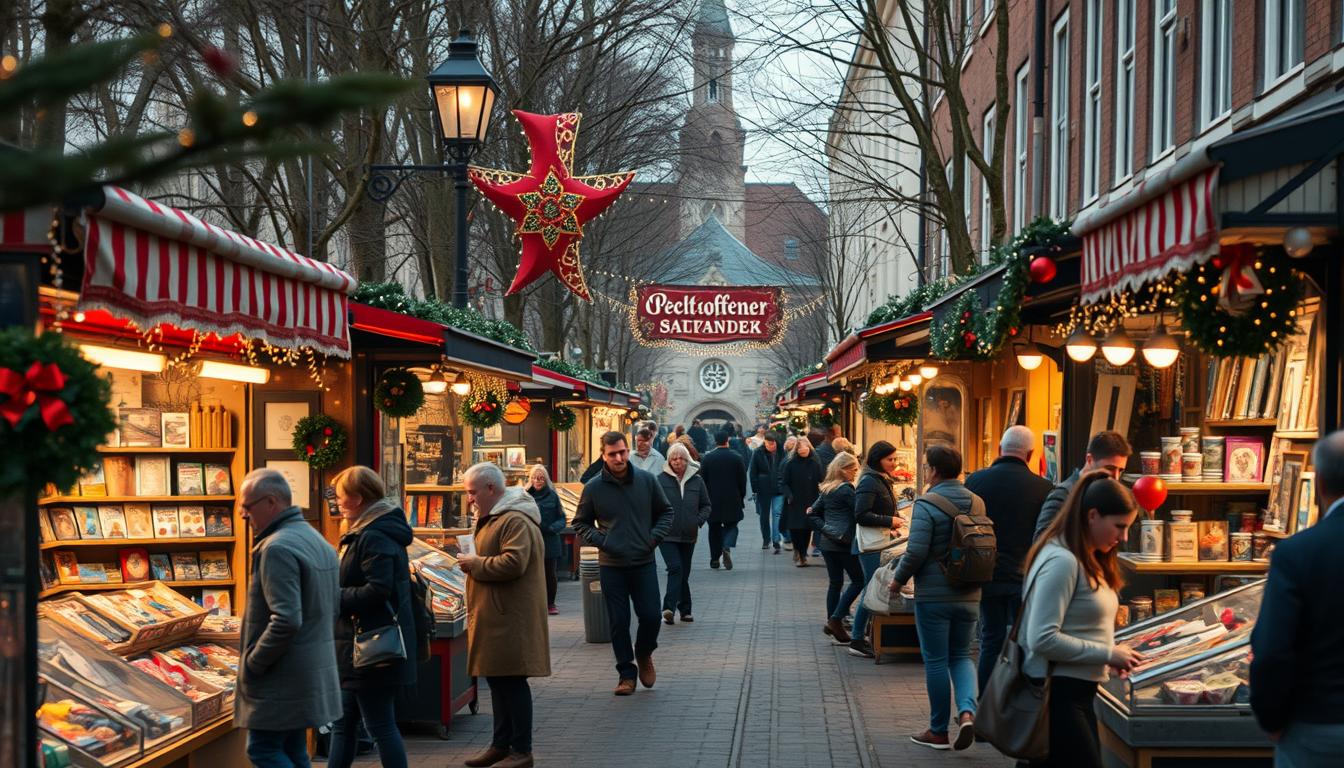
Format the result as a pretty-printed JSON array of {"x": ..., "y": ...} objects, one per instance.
[{"x": 596, "y": 625}]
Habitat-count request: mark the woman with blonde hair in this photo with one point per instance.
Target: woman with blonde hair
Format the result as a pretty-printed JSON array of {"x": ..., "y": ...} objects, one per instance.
[
  {"x": 689, "y": 496},
  {"x": 538, "y": 486},
  {"x": 375, "y": 592},
  {"x": 832, "y": 517}
]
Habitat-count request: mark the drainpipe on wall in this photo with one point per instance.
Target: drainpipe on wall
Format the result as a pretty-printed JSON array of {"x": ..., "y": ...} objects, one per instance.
[{"x": 1038, "y": 115}]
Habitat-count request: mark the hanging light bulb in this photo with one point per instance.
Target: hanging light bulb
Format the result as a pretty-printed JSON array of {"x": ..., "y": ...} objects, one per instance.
[
  {"x": 1161, "y": 349},
  {"x": 914, "y": 379},
  {"x": 928, "y": 371},
  {"x": 1118, "y": 348},
  {"x": 1029, "y": 356},
  {"x": 906, "y": 386},
  {"x": 436, "y": 384},
  {"x": 461, "y": 385},
  {"x": 1081, "y": 346}
]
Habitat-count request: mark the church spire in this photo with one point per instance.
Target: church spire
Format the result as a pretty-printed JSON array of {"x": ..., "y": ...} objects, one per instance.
[{"x": 712, "y": 20}]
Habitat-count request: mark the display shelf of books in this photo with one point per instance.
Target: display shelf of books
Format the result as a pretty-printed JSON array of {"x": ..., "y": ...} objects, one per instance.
[
  {"x": 430, "y": 506},
  {"x": 131, "y": 450},
  {"x": 59, "y": 590},
  {"x": 83, "y": 543}
]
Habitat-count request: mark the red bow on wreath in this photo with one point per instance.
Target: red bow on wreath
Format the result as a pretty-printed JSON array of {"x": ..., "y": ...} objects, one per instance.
[
  {"x": 39, "y": 385},
  {"x": 1239, "y": 285}
]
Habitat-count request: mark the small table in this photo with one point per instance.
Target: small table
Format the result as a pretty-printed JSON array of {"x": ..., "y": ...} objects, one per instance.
[{"x": 894, "y": 633}]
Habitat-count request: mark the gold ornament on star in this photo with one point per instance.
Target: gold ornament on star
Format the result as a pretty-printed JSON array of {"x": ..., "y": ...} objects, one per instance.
[{"x": 550, "y": 211}]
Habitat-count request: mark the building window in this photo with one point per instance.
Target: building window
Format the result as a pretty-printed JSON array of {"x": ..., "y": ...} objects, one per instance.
[
  {"x": 791, "y": 249},
  {"x": 989, "y": 11},
  {"x": 1059, "y": 108},
  {"x": 1284, "y": 29},
  {"x": 1092, "y": 103},
  {"x": 966, "y": 192},
  {"x": 1125, "y": 24},
  {"x": 1216, "y": 61},
  {"x": 714, "y": 376},
  {"x": 967, "y": 25},
  {"x": 944, "y": 247},
  {"x": 1021, "y": 134},
  {"x": 713, "y": 89},
  {"x": 987, "y": 147},
  {"x": 1164, "y": 76}
]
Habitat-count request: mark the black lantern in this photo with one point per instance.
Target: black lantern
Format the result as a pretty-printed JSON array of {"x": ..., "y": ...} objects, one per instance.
[{"x": 463, "y": 94}]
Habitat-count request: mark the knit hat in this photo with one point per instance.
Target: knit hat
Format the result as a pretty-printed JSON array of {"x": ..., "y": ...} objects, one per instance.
[{"x": 877, "y": 452}]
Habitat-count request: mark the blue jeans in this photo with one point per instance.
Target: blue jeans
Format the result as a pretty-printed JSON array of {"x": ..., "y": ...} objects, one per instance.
[
  {"x": 838, "y": 565},
  {"x": 763, "y": 504},
  {"x": 377, "y": 708},
  {"x": 278, "y": 749},
  {"x": 776, "y": 512},
  {"x": 945, "y": 630},
  {"x": 1309, "y": 745},
  {"x": 997, "y": 614},
  {"x": 869, "y": 561},
  {"x": 636, "y": 584},
  {"x": 677, "y": 557}
]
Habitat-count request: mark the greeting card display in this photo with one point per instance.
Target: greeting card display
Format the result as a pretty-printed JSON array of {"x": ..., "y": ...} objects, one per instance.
[
  {"x": 217, "y": 480},
  {"x": 89, "y": 525},
  {"x": 191, "y": 521},
  {"x": 139, "y": 521},
  {"x": 113, "y": 521},
  {"x": 190, "y": 478},
  {"x": 165, "y": 522}
]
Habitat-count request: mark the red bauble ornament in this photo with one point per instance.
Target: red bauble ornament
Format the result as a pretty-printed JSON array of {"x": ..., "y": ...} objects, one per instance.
[
  {"x": 1043, "y": 269},
  {"x": 550, "y": 204},
  {"x": 326, "y": 431},
  {"x": 1150, "y": 491},
  {"x": 969, "y": 338},
  {"x": 965, "y": 315},
  {"x": 220, "y": 62},
  {"x": 1012, "y": 331},
  {"x": 310, "y": 450}
]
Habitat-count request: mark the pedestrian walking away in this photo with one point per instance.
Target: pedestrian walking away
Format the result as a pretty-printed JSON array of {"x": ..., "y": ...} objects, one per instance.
[
  {"x": 287, "y": 675},
  {"x": 1013, "y": 497},
  {"x": 543, "y": 493},
  {"x": 1068, "y": 622},
  {"x": 1107, "y": 451},
  {"x": 699, "y": 436},
  {"x": 945, "y": 610},
  {"x": 508, "y": 639},
  {"x": 375, "y": 592},
  {"x": 799, "y": 479},
  {"x": 686, "y": 491},
  {"x": 832, "y": 520},
  {"x": 625, "y": 514},
  {"x": 764, "y": 471},
  {"x": 875, "y": 506},
  {"x": 725, "y": 474},
  {"x": 1297, "y": 680}
]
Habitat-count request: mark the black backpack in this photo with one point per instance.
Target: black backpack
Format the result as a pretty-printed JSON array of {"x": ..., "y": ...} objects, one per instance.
[
  {"x": 973, "y": 548},
  {"x": 422, "y": 605}
]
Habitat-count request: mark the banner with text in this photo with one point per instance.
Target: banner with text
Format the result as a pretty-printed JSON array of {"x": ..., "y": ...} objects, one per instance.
[{"x": 709, "y": 314}]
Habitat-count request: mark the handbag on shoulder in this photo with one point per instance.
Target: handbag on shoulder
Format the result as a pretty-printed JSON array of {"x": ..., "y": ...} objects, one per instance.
[
  {"x": 379, "y": 646},
  {"x": 1014, "y": 712}
]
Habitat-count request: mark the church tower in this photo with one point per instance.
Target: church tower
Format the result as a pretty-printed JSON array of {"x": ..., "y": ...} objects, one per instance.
[{"x": 713, "y": 178}]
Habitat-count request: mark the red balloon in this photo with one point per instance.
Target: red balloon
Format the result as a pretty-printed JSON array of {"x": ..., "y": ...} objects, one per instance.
[
  {"x": 1150, "y": 491},
  {"x": 1043, "y": 269}
]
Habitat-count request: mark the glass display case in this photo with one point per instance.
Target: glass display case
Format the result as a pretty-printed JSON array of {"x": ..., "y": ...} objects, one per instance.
[
  {"x": 447, "y": 582},
  {"x": 94, "y": 734}
]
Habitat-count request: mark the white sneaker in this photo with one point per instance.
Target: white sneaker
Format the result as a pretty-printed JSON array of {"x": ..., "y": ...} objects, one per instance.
[{"x": 788, "y": 545}]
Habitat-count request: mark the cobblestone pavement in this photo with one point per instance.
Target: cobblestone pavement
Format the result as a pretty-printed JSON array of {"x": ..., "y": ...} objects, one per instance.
[{"x": 752, "y": 682}]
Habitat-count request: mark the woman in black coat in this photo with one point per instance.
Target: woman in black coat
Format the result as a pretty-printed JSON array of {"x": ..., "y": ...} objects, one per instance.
[
  {"x": 375, "y": 592},
  {"x": 832, "y": 519},
  {"x": 552, "y": 523},
  {"x": 798, "y": 481},
  {"x": 686, "y": 491},
  {"x": 874, "y": 506}
]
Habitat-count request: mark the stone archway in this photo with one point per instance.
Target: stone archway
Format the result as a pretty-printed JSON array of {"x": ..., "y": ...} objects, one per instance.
[{"x": 713, "y": 412}]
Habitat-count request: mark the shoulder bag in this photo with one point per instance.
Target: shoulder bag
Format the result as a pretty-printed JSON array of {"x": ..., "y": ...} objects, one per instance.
[
  {"x": 379, "y": 646},
  {"x": 1014, "y": 712},
  {"x": 875, "y": 538}
]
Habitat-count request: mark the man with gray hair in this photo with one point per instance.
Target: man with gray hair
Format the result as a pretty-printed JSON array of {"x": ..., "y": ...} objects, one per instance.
[
  {"x": 1013, "y": 495},
  {"x": 1297, "y": 672},
  {"x": 287, "y": 676}
]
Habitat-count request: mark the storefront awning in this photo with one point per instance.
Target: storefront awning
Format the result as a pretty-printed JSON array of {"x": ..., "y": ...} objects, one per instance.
[
  {"x": 874, "y": 344},
  {"x": 460, "y": 347},
  {"x": 1171, "y": 232}
]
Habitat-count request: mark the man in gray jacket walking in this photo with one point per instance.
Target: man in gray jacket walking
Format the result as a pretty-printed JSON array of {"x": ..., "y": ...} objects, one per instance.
[{"x": 287, "y": 678}]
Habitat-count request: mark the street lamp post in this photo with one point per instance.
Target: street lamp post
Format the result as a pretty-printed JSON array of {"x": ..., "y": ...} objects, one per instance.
[{"x": 463, "y": 93}]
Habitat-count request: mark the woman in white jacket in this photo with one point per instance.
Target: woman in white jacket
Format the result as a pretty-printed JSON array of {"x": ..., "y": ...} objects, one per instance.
[{"x": 1068, "y": 631}]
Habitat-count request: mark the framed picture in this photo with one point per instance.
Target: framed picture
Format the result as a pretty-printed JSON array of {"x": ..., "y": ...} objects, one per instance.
[
  {"x": 1306, "y": 502},
  {"x": 1244, "y": 460},
  {"x": 492, "y": 455},
  {"x": 515, "y": 456},
  {"x": 1050, "y": 453},
  {"x": 1114, "y": 403},
  {"x": 141, "y": 427},
  {"x": 1017, "y": 408},
  {"x": 296, "y": 473},
  {"x": 176, "y": 430},
  {"x": 1283, "y": 489},
  {"x": 493, "y": 434},
  {"x": 280, "y": 421}
]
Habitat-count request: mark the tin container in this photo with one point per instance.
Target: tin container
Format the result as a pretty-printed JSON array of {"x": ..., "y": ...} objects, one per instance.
[
  {"x": 1171, "y": 458},
  {"x": 1260, "y": 546},
  {"x": 1152, "y": 537},
  {"x": 1212, "y": 448},
  {"x": 1140, "y": 609},
  {"x": 1242, "y": 551},
  {"x": 1121, "y": 616},
  {"x": 1191, "y": 592},
  {"x": 1250, "y": 522},
  {"x": 1183, "y": 542},
  {"x": 1182, "y": 515},
  {"x": 1190, "y": 440},
  {"x": 1150, "y": 462},
  {"x": 1192, "y": 467}
]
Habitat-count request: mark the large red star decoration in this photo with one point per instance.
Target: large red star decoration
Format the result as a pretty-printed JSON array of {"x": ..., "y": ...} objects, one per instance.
[{"x": 550, "y": 204}]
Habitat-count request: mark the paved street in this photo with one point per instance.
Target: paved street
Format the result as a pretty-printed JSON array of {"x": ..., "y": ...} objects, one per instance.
[{"x": 753, "y": 682}]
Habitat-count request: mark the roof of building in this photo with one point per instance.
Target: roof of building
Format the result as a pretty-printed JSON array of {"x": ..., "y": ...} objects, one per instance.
[
  {"x": 711, "y": 249},
  {"x": 712, "y": 18}
]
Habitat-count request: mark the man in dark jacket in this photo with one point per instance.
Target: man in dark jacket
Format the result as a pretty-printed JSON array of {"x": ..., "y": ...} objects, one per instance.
[
  {"x": 825, "y": 450},
  {"x": 287, "y": 675},
  {"x": 738, "y": 443},
  {"x": 1012, "y": 494},
  {"x": 1297, "y": 671},
  {"x": 766, "y": 463},
  {"x": 1106, "y": 450},
  {"x": 625, "y": 514},
  {"x": 725, "y": 476},
  {"x": 700, "y": 436}
]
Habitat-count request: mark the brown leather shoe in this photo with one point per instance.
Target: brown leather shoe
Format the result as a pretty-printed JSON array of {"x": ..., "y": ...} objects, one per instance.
[
  {"x": 490, "y": 756},
  {"x": 647, "y": 674},
  {"x": 626, "y": 687},
  {"x": 515, "y": 760},
  {"x": 836, "y": 628}
]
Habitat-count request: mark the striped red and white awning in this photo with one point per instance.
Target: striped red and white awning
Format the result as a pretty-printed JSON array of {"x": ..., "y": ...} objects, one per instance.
[
  {"x": 1173, "y": 232},
  {"x": 154, "y": 264}
]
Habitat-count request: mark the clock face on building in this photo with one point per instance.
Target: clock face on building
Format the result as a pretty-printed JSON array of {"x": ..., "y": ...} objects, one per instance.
[{"x": 714, "y": 377}]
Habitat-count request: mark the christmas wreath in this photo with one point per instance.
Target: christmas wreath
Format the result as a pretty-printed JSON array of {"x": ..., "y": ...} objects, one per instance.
[
  {"x": 561, "y": 419},
  {"x": 900, "y": 409},
  {"x": 823, "y": 418},
  {"x": 483, "y": 410},
  {"x": 798, "y": 423},
  {"x": 54, "y": 408},
  {"x": 319, "y": 440},
  {"x": 399, "y": 393},
  {"x": 1239, "y": 304}
]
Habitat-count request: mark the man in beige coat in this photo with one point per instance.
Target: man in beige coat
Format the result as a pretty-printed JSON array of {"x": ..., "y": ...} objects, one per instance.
[{"x": 507, "y": 638}]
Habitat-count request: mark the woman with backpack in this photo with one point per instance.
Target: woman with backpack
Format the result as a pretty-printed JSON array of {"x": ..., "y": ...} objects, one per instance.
[
  {"x": 799, "y": 478},
  {"x": 552, "y": 523},
  {"x": 1068, "y": 621},
  {"x": 375, "y": 593},
  {"x": 832, "y": 517},
  {"x": 945, "y": 611},
  {"x": 874, "y": 507}
]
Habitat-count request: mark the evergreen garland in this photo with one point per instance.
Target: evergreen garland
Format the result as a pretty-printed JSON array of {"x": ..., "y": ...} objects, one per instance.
[
  {"x": 572, "y": 370},
  {"x": 899, "y": 408},
  {"x": 561, "y": 419},
  {"x": 392, "y": 296},
  {"x": 822, "y": 418},
  {"x": 1262, "y": 329},
  {"x": 483, "y": 410},
  {"x": 399, "y": 393},
  {"x": 319, "y": 440}
]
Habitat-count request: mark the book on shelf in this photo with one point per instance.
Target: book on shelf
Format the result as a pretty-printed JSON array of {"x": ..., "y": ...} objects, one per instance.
[
  {"x": 1271, "y": 405},
  {"x": 93, "y": 482},
  {"x": 139, "y": 521},
  {"x": 190, "y": 478},
  {"x": 215, "y": 565},
  {"x": 120, "y": 474},
  {"x": 67, "y": 566},
  {"x": 63, "y": 523},
  {"x": 92, "y": 573},
  {"x": 217, "y": 480},
  {"x": 113, "y": 521},
  {"x": 186, "y": 567},
  {"x": 46, "y": 571},
  {"x": 134, "y": 564},
  {"x": 191, "y": 521},
  {"x": 44, "y": 531},
  {"x": 90, "y": 527},
  {"x": 161, "y": 566},
  {"x": 151, "y": 476},
  {"x": 1252, "y": 406},
  {"x": 165, "y": 522},
  {"x": 216, "y": 602},
  {"x": 141, "y": 427},
  {"x": 218, "y": 521}
]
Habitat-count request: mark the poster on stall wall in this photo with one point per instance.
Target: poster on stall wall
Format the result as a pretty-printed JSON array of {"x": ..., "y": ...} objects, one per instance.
[
  {"x": 296, "y": 474},
  {"x": 1050, "y": 454}
]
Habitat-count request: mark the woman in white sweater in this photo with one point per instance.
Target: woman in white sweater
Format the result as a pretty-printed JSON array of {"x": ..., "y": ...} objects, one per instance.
[{"x": 1068, "y": 630}]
